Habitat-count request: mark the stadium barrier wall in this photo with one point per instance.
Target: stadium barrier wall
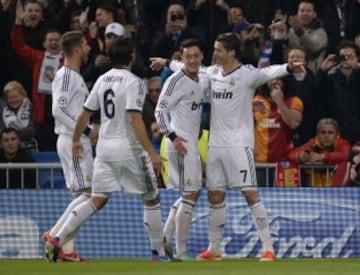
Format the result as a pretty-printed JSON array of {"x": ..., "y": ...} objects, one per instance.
[{"x": 304, "y": 222}]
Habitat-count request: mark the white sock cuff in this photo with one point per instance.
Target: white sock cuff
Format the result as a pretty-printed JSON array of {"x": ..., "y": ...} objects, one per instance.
[
  {"x": 256, "y": 205},
  {"x": 218, "y": 206},
  {"x": 188, "y": 203},
  {"x": 152, "y": 207}
]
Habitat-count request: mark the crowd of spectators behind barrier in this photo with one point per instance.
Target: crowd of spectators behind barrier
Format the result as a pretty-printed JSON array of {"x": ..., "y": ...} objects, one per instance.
[{"x": 323, "y": 33}]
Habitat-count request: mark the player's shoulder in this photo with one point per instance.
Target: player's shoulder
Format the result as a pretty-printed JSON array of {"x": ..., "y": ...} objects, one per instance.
[{"x": 177, "y": 74}]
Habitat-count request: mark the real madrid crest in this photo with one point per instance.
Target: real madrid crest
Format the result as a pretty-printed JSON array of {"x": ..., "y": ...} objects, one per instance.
[{"x": 232, "y": 82}]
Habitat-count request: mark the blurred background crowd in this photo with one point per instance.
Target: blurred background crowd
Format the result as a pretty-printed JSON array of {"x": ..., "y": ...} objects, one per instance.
[{"x": 308, "y": 118}]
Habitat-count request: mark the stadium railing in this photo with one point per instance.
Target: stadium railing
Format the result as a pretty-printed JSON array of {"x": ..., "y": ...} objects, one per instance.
[{"x": 49, "y": 174}]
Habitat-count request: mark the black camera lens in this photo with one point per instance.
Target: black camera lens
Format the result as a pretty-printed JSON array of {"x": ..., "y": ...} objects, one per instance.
[{"x": 340, "y": 58}]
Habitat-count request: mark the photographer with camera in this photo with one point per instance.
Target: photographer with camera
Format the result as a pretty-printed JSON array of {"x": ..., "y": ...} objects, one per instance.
[
  {"x": 175, "y": 30},
  {"x": 338, "y": 86}
]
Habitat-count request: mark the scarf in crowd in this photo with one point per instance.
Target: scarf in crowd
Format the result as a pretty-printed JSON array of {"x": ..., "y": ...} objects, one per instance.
[
  {"x": 50, "y": 65},
  {"x": 19, "y": 118}
]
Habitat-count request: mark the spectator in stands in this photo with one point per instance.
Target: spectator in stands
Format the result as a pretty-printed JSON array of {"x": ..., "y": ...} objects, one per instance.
[
  {"x": 338, "y": 84},
  {"x": 357, "y": 40},
  {"x": 101, "y": 63},
  {"x": 276, "y": 115},
  {"x": 105, "y": 15},
  {"x": 174, "y": 31},
  {"x": 151, "y": 99},
  {"x": 17, "y": 114},
  {"x": 327, "y": 147},
  {"x": 307, "y": 31},
  {"x": 33, "y": 24},
  {"x": 43, "y": 64},
  {"x": 303, "y": 86},
  {"x": 12, "y": 153},
  {"x": 341, "y": 20},
  {"x": 249, "y": 35},
  {"x": 353, "y": 167},
  {"x": 209, "y": 18},
  {"x": 12, "y": 67}
]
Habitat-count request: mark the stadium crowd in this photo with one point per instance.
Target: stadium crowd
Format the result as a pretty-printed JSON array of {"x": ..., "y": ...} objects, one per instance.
[{"x": 308, "y": 118}]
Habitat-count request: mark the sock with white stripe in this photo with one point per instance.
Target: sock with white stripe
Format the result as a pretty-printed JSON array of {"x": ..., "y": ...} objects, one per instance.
[
  {"x": 217, "y": 217},
  {"x": 261, "y": 221},
  {"x": 183, "y": 221},
  {"x": 153, "y": 225}
]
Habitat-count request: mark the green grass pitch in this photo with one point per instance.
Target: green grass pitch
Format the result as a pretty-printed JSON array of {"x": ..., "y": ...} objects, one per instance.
[{"x": 143, "y": 267}]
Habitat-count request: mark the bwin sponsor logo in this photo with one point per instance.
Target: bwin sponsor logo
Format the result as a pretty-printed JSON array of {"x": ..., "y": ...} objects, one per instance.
[
  {"x": 196, "y": 106},
  {"x": 222, "y": 95}
]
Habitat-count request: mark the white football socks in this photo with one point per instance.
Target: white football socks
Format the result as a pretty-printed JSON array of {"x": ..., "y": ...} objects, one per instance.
[
  {"x": 169, "y": 228},
  {"x": 153, "y": 225},
  {"x": 77, "y": 217},
  {"x": 183, "y": 221},
  {"x": 217, "y": 217},
  {"x": 261, "y": 221},
  {"x": 69, "y": 246}
]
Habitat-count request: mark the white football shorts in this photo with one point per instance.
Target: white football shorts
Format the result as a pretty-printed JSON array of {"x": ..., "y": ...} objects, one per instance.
[
  {"x": 185, "y": 172},
  {"x": 231, "y": 167},
  {"x": 77, "y": 171},
  {"x": 134, "y": 176}
]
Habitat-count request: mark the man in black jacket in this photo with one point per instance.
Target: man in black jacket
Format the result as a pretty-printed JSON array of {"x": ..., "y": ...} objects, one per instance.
[{"x": 12, "y": 153}]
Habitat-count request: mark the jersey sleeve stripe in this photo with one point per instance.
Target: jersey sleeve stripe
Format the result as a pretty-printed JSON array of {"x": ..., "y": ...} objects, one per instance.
[
  {"x": 66, "y": 80},
  {"x": 162, "y": 124},
  {"x": 66, "y": 112},
  {"x": 172, "y": 83}
]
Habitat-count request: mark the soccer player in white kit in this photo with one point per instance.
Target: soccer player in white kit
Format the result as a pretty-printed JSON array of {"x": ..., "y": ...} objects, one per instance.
[
  {"x": 69, "y": 91},
  {"x": 178, "y": 114},
  {"x": 231, "y": 144},
  {"x": 231, "y": 161},
  {"x": 125, "y": 158}
]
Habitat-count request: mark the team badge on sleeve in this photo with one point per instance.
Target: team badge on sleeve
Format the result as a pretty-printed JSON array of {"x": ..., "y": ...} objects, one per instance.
[
  {"x": 139, "y": 102},
  {"x": 163, "y": 104},
  {"x": 62, "y": 101}
]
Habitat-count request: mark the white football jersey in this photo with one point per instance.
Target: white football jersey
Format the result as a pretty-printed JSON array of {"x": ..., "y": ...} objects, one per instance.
[
  {"x": 115, "y": 93},
  {"x": 180, "y": 105},
  {"x": 232, "y": 121},
  {"x": 69, "y": 92}
]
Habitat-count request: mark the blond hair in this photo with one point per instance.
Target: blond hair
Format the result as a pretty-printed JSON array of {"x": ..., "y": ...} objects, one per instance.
[{"x": 12, "y": 85}]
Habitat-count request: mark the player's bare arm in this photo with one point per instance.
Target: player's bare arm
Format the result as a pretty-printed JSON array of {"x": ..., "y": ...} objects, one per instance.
[
  {"x": 137, "y": 123},
  {"x": 79, "y": 128},
  {"x": 157, "y": 63}
]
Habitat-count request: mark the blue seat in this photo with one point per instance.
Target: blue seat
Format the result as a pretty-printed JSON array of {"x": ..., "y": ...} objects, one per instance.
[{"x": 45, "y": 174}]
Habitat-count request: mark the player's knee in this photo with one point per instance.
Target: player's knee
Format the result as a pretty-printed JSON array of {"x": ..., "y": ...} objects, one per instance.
[
  {"x": 216, "y": 196},
  {"x": 252, "y": 196},
  {"x": 99, "y": 200}
]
